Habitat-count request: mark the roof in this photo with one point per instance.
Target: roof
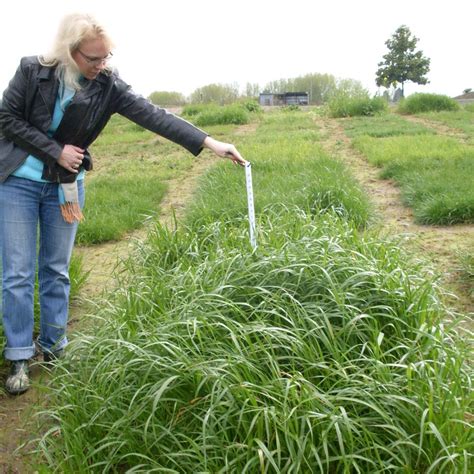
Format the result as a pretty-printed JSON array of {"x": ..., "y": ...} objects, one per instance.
[{"x": 469, "y": 95}]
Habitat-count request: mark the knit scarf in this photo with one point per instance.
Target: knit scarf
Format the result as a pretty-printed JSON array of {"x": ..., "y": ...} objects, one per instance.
[{"x": 69, "y": 202}]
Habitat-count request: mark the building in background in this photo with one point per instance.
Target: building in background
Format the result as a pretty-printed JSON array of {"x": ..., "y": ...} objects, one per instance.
[
  {"x": 466, "y": 98},
  {"x": 288, "y": 98}
]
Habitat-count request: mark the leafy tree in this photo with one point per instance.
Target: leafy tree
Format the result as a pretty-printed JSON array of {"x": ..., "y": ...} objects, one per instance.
[
  {"x": 216, "y": 93},
  {"x": 252, "y": 90},
  {"x": 402, "y": 63},
  {"x": 165, "y": 98}
]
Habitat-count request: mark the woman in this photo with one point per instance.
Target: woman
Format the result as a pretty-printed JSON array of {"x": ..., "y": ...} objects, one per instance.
[{"x": 53, "y": 109}]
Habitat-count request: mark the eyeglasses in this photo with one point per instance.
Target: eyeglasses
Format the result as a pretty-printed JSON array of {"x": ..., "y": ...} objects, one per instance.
[{"x": 95, "y": 61}]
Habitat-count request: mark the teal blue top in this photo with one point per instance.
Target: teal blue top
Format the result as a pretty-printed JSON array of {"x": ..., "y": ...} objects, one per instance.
[{"x": 32, "y": 168}]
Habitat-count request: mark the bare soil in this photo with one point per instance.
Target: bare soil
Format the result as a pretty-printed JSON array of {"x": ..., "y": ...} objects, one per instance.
[{"x": 440, "y": 244}]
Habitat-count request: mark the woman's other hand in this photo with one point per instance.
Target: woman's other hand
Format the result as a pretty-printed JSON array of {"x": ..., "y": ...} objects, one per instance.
[{"x": 71, "y": 158}]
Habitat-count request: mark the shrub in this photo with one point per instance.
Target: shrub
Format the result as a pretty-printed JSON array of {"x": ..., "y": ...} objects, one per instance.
[
  {"x": 191, "y": 110},
  {"x": 165, "y": 98},
  {"x": 251, "y": 106},
  {"x": 229, "y": 114},
  {"x": 418, "y": 103},
  {"x": 344, "y": 106}
]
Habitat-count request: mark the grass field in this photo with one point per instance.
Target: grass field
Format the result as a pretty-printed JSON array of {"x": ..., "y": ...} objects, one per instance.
[
  {"x": 328, "y": 349},
  {"x": 435, "y": 173}
]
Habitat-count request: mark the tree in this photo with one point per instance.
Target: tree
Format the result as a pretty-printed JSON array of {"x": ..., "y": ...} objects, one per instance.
[
  {"x": 166, "y": 98},
  {"x": 216, "y": 93},
  {"x": 402, "y": 63}
]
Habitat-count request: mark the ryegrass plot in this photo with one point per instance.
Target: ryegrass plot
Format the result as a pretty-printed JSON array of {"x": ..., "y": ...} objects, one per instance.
[
  {"x": 323, "y": 351},
  {"x": 462, "y": 119},
  {"x": 435, "y": 174},
  {"x": 128, "y": 183},
  {"x": 387, "y": 125},
  {"x": 289, "y": 168}
]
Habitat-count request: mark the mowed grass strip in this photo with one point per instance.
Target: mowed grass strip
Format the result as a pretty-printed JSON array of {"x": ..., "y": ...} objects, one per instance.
[
  {"x": 461, "y": 119},
  {"x": 385, "y": 125},
  {"x": 325, "y": 350},
  {"x": 435, "y": 174}
]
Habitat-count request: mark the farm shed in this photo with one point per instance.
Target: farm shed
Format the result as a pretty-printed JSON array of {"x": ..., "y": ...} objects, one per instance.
[
  {"x": 465, "y": 99},
  {"x": 288, "y": 98}
]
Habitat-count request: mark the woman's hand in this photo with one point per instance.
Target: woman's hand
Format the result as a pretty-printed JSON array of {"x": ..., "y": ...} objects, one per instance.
[
  {"x": 71, "y": 158},
  {"x": 225, "y": 150}
]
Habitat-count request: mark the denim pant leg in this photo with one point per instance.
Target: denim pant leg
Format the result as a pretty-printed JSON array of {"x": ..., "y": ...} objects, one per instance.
[
  {"x": 19, "y": 206},
  {"x": 56, "y": 244}
]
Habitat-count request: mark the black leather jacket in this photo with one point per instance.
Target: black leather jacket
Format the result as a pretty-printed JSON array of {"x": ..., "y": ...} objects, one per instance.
[{"x": 28, "y": 105}]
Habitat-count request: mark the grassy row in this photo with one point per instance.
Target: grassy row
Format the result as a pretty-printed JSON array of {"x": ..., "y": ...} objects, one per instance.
[
  {"x": 290, "y": 167},
  {"x": 129, "y": 180},
  {"x": 323, "y": 351},
  {"x": 435, "y": 174}
]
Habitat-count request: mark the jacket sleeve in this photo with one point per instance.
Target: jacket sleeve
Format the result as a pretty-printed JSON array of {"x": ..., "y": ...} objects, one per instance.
[
  {"x": 141, "y": 111},
  {"x": 13, "y": 118}
]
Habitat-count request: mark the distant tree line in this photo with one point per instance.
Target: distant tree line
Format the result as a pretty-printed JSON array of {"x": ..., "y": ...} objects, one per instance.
[{"x": 320, "y": 87}]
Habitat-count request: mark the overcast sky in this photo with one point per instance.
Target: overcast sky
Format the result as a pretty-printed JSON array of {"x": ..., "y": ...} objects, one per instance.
[{"x": 180, "y": 45}]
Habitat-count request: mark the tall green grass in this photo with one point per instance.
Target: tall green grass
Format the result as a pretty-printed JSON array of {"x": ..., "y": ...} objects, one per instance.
[
  {"x": 416, "y": 103},
  {"x": 344, "y": 106},
  {"x": 435, "y": 174},
  {"x": 325, "y": 350}
]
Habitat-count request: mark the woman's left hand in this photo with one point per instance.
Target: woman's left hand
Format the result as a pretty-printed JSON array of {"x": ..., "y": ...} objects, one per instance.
[{"x": 225, "y": 150}]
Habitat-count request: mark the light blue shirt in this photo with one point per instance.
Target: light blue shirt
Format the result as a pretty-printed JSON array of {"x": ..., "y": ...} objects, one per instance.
[{"x": 32, "y": 168}]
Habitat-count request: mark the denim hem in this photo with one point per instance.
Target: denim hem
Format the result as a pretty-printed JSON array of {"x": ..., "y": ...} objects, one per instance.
[
  {"x": 19, "y": 353},
  {"x": 53, "y": 349}
]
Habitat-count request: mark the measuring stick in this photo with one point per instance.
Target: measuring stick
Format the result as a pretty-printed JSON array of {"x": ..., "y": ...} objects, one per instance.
[{"x": 251, "y": 210}]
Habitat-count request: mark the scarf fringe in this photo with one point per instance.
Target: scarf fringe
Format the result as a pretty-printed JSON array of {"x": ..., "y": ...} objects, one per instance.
[{"x": 71, "y": 212}]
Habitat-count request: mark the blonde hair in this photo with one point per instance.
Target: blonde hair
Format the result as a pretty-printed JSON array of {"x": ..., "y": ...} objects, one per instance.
[{"x": 72, "y": 31}]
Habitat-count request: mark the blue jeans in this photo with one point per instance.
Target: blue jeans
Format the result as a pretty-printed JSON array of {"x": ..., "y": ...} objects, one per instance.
[{"x": 25, "y": 207}]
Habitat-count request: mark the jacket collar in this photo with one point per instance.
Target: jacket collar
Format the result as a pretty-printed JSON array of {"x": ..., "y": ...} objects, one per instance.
[{"x": 48, "y": 86}]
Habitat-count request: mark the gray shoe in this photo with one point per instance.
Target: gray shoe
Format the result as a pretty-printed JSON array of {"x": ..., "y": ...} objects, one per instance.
[{"x": 19, "y": 379}]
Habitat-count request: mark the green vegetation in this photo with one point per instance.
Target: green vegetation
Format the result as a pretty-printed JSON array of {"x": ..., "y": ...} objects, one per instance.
[
  {"x": 165, "y": 98},
  {"x": 386, "y": 125},
  {"x": 342, "y": 105},
  {"x": 290, "y": 168},
  {"x": 418, "y": 103},
  {"x": 325, "y": 350},
  {"x": 129, "y": 180},
  {"x": 460, "y": 119},
  {"x": 435, "y": 174},
  {"x": 402, "y": 63},
  {"x": 229, "y": 114},
  {"x": 216, "y": 93}
]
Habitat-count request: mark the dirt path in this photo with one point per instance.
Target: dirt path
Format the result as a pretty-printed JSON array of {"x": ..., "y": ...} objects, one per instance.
[{"x": 440, "y": 243}]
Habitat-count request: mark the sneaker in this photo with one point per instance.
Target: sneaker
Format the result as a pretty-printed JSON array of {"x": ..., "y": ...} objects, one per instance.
[
  {"x": 18, "y": 381},
  {"x": 52, "y": 356}
]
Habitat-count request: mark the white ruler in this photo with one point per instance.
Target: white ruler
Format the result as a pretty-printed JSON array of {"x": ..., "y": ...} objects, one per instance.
[{"x": 251, "y": 209}]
